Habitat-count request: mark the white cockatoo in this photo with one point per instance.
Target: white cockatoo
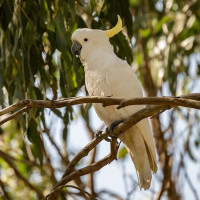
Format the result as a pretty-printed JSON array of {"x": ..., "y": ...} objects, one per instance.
[{"x": 108, "y": 75}]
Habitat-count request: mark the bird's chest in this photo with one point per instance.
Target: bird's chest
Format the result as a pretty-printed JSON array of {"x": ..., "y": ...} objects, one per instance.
[{"x": 96, "y": 83}]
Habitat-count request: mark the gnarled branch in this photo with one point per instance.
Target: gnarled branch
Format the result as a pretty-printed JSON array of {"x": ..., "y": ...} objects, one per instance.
[{"x": 190, "y": 101}]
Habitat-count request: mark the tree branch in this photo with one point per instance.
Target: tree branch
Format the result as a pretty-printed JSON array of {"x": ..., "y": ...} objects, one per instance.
[
  {"x": 6, "y": 196},
  {"x": 14, "y": 115},
  {"x": 81, "y": 190},
  {"x": 190, "y": 101}
]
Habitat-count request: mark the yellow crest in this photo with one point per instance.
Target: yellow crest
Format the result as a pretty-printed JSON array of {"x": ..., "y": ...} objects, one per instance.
[{"x": 110, "y": 33}]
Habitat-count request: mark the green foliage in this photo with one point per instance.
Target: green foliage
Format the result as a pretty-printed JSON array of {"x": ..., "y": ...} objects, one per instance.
[
  {"x": 122, "y": 153},
  {"x": 35, "y": 139}
]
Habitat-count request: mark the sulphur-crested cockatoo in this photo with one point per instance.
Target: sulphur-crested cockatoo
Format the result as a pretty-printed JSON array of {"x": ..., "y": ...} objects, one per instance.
[{"x": 108, "y": 75}]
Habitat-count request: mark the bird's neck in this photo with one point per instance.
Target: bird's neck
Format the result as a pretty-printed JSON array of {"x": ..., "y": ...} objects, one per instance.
[{"x": 98, "y": 59}]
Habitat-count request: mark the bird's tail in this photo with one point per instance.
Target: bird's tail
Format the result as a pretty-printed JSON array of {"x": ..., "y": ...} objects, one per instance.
[
  {"x": 140, "y": 155},
  {"x": 144, "y": 174}
]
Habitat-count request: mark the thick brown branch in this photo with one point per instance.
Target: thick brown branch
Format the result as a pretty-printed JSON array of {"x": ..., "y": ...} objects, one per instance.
[
  {"x": 191, "y": 101},
  {"x": 60, "y": 103},
  {"x": 172, "y": 101}
]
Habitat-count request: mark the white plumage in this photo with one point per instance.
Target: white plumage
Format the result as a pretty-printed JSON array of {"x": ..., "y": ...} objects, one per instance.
[{"x": 108, "y": 75}]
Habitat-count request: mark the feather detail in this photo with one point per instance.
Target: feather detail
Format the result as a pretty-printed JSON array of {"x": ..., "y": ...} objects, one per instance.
[{"x": 138, "y": 151}]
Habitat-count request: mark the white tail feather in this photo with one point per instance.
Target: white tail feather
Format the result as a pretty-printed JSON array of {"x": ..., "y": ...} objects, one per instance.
[{"x": 139, "y": 152}]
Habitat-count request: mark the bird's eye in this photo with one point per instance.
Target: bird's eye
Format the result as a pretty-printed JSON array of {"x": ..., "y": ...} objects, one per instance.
[{"x": 85, "y": 39}]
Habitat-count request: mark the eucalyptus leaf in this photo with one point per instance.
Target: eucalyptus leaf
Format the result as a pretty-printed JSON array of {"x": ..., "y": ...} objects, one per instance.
[
  {"x": 35, "y": 139},
  {"x": 122, "y": 153}
]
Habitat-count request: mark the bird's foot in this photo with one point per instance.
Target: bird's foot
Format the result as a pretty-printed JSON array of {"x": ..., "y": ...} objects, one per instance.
[
  {"x": 98, "y": 134},
  {"x": 110, "y": 129}
]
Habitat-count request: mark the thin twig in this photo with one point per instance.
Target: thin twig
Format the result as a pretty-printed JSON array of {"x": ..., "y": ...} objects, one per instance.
[
  {"x": 14, "y": 115},
  {"x": 81, "y": 190},
  {"x": 84, "y": 152},
  {"x": 7, "y": 197}
]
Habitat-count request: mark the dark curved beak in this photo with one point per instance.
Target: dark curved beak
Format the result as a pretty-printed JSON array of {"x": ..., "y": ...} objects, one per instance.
[{"x": 76, "y": 48}]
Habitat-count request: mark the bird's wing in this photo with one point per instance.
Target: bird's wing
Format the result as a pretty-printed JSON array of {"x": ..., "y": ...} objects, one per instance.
[{"x": 123, "y": 82}]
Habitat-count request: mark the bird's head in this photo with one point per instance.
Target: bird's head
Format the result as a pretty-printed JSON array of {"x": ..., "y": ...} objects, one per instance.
[{"x": 86, "y": 41}]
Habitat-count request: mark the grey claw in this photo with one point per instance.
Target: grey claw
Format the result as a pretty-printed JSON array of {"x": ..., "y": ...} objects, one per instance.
[
  {"x": 98, "y": 134},
  {"x": 110, "y": 129}
]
